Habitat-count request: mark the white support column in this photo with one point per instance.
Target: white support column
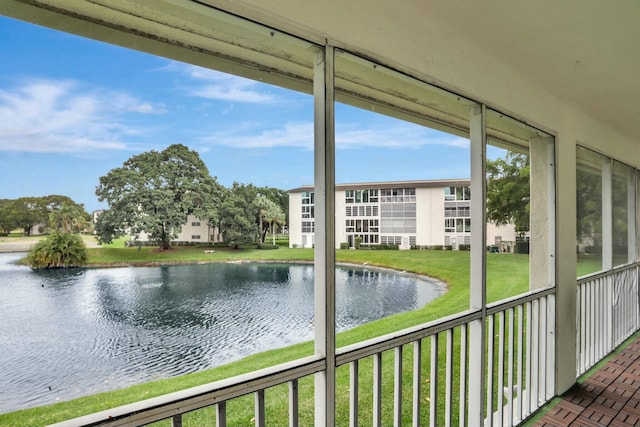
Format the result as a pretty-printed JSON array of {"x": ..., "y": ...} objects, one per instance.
[
  {"x": 631, "y": 216},
  {"x": 565, "y": 302},
  {"x": 324, "y": 253},
  {"x": 607, "y": 214},
  {"x": 542, "y": 213},
  {"x": 478, "y": 265}
]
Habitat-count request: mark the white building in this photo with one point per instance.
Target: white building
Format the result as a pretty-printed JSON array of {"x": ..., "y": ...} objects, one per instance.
[
  {"x": 194, "y": 230},
  {"x": 404, "y": 213}
]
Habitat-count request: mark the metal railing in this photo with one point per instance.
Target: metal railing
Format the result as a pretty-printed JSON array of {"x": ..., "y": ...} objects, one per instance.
[
  {"x": 607, "y": 313},
  {"x": 417, "y": 376}
]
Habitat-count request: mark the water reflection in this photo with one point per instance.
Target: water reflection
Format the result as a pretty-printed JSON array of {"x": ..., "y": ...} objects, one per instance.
[{"x": 84, "y": 331}]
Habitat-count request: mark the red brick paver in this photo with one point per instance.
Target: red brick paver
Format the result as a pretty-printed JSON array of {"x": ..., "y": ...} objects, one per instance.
[{"x": 609, "y": 397}]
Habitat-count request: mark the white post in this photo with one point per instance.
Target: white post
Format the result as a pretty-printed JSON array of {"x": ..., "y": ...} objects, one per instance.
[
  {"x": 478, "y": 265},
  {"x": 324, "y": 252},
  {"x": 542, "y": 213},
  {"x": 631, "y": 215},
  {"x": 607, "y": 214},
  {"x": 565, "y": 302}
]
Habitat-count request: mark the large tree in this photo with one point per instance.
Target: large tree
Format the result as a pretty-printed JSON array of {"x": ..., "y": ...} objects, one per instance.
[
  {"x": 30, "y": 212},
  {"x": 238, "y": 215},
  {"x": 69, "y": 218},
  {"x": 508, "y": 191},
  {"x": 154, "y": 192},
  {"x": 269, "y": 216},
  {"x": 7, "y": 220}
]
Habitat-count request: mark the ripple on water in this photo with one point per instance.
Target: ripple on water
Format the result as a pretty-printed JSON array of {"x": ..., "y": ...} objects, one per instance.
[{"x": 88, "y": 331}]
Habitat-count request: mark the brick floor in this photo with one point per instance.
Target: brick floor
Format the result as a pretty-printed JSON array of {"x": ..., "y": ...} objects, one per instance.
[{"x": 609, "y": 397}]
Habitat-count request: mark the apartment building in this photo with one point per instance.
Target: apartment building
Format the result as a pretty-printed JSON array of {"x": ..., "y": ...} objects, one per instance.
[{"x": 404, "y": 213}]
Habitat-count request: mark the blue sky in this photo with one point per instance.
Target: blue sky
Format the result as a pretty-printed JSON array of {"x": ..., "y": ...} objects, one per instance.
[{"x": 71, "y": 109}]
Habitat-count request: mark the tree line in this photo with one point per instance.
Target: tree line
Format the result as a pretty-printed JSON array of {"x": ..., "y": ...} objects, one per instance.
[
  {"x": 42, "y": 215},
  {"x": 154, "y": 192}
]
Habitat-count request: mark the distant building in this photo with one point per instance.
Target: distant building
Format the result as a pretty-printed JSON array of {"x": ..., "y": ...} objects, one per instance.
[
  {"x": 194, "y": 230},
  {"x": 404, "y": 213}
]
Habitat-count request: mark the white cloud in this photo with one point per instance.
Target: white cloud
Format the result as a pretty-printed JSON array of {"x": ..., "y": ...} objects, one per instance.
[
  {"x": 210, "y": 84},
  {"x": 65, "y": 116},
  {"x": 348, "y": 136},
  {"x": 247, "y": 135}
]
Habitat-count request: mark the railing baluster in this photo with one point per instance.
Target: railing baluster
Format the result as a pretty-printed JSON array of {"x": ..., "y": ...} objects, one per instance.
[
  {"x": 542, "y": 351},
  {"x": 417, "y": 378},
  {"x": 519, "y": 382},
  {"x": 592, "y": 322},
  {"x": 535, "y": 352},
  {"x": 433, "y": 394},
  {"x": 510, "y": 386},
  {"x": 397, "y": 387},
  {"x": 601, "y": 302},
  {"x": 583, "y": 327},
  {"x": 528, "y": 378},
  {"x": 462, "y": 415},
  {"x": 294, "y": 407},
  {"x": 500, "y": 394},
  {"x": 259, "y": 408},
  {"x": 449, "y": 380},
  {"x": 551, "y": 347},
  {"x": 490, "y": 357},
  {"x": 221, "y": 414},
  {"x": 377, "y": 390},
  {"x": 354, "y": 387},
  {"x": 176, "y": 420}
]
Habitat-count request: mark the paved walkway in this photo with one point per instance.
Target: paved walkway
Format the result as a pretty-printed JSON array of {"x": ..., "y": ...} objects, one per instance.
[{"x": 609, "y": 397}]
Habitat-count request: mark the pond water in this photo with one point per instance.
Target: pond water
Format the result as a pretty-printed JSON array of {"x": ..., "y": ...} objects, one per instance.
[{"x": 65, "y": 334}]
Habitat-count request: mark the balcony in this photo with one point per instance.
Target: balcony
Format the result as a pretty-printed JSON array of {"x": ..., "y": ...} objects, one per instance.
[
  {"x": 498, "y": 363},
  {"x": 456, "y": 376}
]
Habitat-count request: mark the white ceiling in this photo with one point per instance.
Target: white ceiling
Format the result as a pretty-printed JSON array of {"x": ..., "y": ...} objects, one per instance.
[{"x": 584, "y": 52}]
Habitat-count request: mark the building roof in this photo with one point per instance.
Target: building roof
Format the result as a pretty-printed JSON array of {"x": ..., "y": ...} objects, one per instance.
[{"x": 432, "y": 183}]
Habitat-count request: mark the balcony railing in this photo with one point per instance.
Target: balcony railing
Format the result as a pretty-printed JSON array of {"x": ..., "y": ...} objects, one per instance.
[
  {"x": 607, "y": 311},
  {"x": 433, "y": 374}
]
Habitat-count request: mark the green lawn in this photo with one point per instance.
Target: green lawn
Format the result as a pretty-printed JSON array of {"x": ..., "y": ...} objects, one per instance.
[{"x": 507, "y": 276}]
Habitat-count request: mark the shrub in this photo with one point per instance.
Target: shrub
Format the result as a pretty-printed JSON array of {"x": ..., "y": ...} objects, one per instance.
[
  {"x": 268, "y": 247},
  {"x": 380, "y": 247},
  {"x": 344, "y": 245},
  {"x": 464, "y": 247},
  {"x": 58, "y": 250},
  {"x": 522, "y": 247}
]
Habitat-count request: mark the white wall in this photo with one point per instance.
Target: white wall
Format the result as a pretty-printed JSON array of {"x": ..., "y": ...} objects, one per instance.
[
  {"x": 430, "y": 216},
  {"x": 207, "y": 234},
  {"x": 295, "y": 219},
  {"x": 341, "y": 206}
]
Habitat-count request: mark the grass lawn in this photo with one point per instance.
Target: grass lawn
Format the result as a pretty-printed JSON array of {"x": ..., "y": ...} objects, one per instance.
[{"x": 507, "y": 276}]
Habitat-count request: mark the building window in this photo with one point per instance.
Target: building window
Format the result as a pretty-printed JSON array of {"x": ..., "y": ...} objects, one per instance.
[
  {"x": 308, "y": 211},
  {"x": 308, "y": 226},
  {"x": 457, "y": 193},
  {"x": 307, "y": 197},
  {"x": 349, "y": 196},
  {"x": 463, "y": 225},
  {"x": 195, "y": 237},
  {"x": 449, "y": 225}
]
